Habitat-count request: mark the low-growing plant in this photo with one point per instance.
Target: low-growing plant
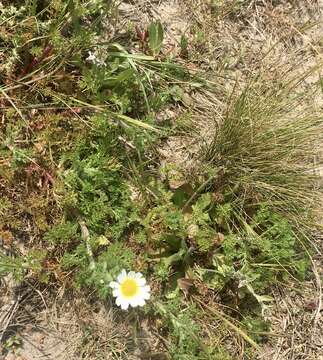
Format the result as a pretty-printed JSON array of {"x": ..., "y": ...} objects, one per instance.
[
  {"x": 185, "y": 337},
  {"x": 18, "y": 266},
  {"x": 247, "y": 254}
]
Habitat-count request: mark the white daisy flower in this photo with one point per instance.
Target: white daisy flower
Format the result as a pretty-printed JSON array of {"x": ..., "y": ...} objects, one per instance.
[
  {"x": 91, "y": 57},
  {"x": 94, "y": 59},
  {"x": 130, "y": 289}
]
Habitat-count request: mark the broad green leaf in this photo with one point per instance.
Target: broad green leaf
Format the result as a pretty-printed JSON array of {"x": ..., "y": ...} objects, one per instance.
[{"x": 156, "y": 37}]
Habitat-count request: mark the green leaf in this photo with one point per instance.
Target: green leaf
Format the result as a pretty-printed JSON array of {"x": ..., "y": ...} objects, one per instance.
[
  {"x": 180, "y": 197},
  {"x": 156, "y": 37},
  {"x": 203, "y": 202}
]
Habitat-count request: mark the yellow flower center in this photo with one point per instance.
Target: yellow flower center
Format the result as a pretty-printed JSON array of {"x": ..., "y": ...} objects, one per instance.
[{"x": 129, "y": 288}]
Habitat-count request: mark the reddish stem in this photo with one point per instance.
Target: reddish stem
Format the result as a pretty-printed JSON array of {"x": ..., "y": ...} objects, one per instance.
[{"x": 35, "y": 61}]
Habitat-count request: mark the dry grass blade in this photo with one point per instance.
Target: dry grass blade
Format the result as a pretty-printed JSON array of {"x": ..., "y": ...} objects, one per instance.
[
  {"x": 229, "y": 323},
  {"x": 8, "y": 312}
]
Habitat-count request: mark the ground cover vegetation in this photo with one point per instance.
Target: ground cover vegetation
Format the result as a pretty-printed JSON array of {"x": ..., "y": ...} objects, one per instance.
[{"x": 83, "y": 193}]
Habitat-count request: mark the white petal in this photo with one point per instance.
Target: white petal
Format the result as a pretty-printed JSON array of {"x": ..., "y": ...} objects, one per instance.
[
  {"x": 145, "y": 292},
  {"x": 114, "y": 285},
  {"x": 91, "y": 57},
  {"x": 141, "y": 281},
  {"x": 122, "y": 276},
  {"x": 116, "y": 292},
  {"x": 146, "y": 296},
  {"x": 141, "y": 302},
  {"x": 132, "y": 275},
  {"x": 101, "y": 62},
  {"x": 124, "y": 304},
  {"x": 134, "y": 301},
  {"x": 118, "y": 301}
]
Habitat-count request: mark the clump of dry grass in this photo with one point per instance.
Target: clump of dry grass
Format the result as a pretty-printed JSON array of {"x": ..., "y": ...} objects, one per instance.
[{"x": 267, "y": 143}]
